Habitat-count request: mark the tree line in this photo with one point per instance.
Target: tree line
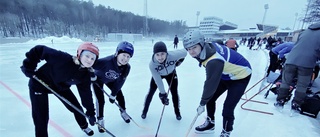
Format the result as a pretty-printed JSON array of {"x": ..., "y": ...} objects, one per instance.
[{"x": 74, "y": 18}]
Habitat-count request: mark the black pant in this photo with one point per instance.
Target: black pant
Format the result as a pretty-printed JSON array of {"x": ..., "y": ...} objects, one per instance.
[
  {"x": 175, "y": 45},
  {"x": 235, "y": 89},
  {"x": 273, "y": 62},
  {"x": 101, "y": 101},
  {"x": 40, "y": 107},
  {"x": 172, "y": 77}
]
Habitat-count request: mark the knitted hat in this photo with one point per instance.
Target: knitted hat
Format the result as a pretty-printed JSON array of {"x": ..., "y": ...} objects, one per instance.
[{"x": 159, "y": 47}]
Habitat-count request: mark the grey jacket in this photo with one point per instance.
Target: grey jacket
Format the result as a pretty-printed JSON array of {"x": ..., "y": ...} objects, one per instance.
[
  {"x": 306, "y": 50},
  {"x": 165, "y": 68}
]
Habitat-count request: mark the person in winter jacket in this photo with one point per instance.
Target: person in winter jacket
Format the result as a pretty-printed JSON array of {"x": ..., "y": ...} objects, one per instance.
[
  {"x": 175, "y": 42},
  {"x": 163, "y": 66},
  {"x": 300, "y": 63},
  {"x": 277, "y": 55},
  {"x": 60, "y": 71},
  {"x": 232, "y": 44},
  {"x": 225, "y": 70},
  {"x": 112, "y": 71}
]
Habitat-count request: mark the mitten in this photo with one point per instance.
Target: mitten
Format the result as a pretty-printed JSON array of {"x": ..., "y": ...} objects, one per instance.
[
  {"x": 200, "y": 109},
  {"x": 112, "y": 99},
  {"x": 28, "y": 72}
]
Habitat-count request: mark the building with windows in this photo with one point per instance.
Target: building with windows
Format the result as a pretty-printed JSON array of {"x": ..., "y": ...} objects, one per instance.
[{"x": 215, "y": 28}]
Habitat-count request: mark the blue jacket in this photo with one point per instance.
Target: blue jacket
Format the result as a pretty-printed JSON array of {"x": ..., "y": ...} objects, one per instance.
[
  {"x": 221, "y": 63},
  {"x": 109, "y": 73},
  {"x": 282, "y": 49}
]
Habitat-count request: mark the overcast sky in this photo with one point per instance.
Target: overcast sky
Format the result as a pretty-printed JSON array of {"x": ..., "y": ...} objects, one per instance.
[{"x": 244, "y": 13}]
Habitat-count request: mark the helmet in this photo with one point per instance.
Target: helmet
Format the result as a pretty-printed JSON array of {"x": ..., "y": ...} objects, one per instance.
[
  {"x": 88, "y": 46},
  {"x": 126, "y": 47},
  {"x": 192, "y": 38},
  {"x": 159, "y": 47}
]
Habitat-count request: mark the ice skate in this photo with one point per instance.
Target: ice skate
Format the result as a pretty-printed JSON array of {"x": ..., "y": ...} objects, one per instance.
[
  {"x": 88, "y": 131},
  {"x": 295, "y": 109},
  {"x": 225, "y": 133},
  {"x": 101, "y": 122},
  {"x": 206, "y": 128},
  {"x": 143, "y": 115},
  {"x": 279, "y": 105},
  {"x": 125, "y": 116},
  {"x": 178, "y": 116}
]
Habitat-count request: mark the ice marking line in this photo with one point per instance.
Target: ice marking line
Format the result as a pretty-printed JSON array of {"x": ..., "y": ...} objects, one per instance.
[{"x": 51, "y": 123}]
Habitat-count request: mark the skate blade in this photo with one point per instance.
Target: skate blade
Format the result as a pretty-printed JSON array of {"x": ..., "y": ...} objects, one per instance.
[
  {"x": 279, "y": 108},
  {"x": 294, "y": 113},
  {"x": 205, "y": 132}
]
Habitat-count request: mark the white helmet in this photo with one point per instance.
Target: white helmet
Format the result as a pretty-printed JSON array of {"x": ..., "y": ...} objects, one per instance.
[{"x": 192, "y": 38}]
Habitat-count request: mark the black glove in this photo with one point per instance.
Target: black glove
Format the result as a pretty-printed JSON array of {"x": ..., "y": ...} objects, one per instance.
[
  {"x": 28, "y": 72},
  {"x": 112, "y": 99},
  {"x": 281, "y": 60},
  {"x": 164, "y": 98},
  {"x": 178, "y": 63},
  {"x": 92, "y": 120}
]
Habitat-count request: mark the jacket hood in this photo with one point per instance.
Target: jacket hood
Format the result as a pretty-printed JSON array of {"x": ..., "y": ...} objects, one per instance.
[
  {"x": 207, "y": 51},
  {"x": 315, "y": 26}
]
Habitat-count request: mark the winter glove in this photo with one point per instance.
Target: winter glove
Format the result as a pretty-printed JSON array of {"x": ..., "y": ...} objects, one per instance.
[
  {"x": 92, "y": 120},
  {"x": 112, "y": 99},
  {"x": 200, "y": 109},
  {"x": 28, "y": 72},
  {"x": 164, "y": 98},
  {"x": 178, "y": 63}
]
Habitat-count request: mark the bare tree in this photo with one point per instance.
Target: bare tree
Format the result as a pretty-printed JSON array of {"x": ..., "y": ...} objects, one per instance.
[{"x": 312, "y": 12}]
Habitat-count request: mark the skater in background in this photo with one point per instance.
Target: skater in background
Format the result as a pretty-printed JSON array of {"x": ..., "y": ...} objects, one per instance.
[
  {"x": 163, "y": 66},
  {"x": 232, "y": 44},
  {"x": 225, "y": 70},
  {"x": 300, "y": 63},
  {"x": 277, "y": 56},
  {"x": 175, "y": 42},
  {"x": 60, "y": 71},
  {"x": 112, "y": 71}
]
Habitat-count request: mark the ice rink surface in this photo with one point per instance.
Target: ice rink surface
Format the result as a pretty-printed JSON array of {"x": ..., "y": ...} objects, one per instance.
[{"x": 16, "y": 120}]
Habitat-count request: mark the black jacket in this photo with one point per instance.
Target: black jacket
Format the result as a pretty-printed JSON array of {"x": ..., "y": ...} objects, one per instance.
[
  {"x": 59, "y": 73},
  {"x": 109, "y": 73}
]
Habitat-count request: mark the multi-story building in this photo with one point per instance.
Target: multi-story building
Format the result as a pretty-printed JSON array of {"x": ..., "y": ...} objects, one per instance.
[{"x": 209, "y": 26}]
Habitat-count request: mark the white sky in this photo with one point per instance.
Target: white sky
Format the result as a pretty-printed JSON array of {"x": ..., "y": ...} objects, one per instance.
[
  {"x": 244, "y": 13},
  {"x": 16, "y": 112}
]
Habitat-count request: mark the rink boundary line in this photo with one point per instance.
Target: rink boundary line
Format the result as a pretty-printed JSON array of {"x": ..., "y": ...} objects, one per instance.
[{"x": 51, "y": 122}]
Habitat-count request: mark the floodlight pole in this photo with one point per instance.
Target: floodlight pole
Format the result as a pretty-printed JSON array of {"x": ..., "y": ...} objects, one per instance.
[
  {"x": 198, "y": 13},
  {"x": 266, "y": 7}
]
